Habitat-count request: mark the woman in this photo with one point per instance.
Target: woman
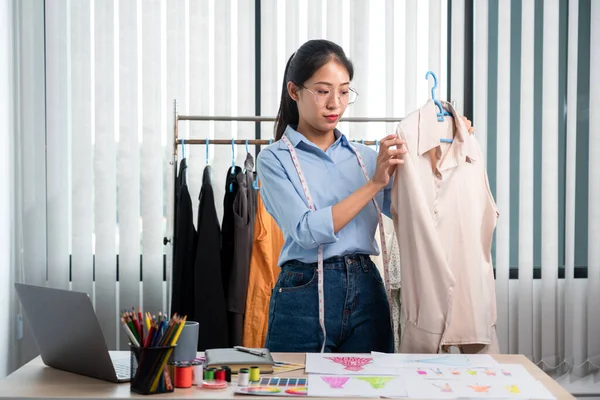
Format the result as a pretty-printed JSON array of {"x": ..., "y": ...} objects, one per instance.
[{"x": 326, "y": 195}]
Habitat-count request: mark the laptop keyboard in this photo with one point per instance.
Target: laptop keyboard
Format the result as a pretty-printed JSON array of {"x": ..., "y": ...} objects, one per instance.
[{"x": 122, "y": 368}]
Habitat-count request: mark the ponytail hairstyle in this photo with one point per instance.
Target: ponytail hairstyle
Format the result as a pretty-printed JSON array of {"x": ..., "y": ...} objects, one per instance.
[{"x": 311, "y": 56}]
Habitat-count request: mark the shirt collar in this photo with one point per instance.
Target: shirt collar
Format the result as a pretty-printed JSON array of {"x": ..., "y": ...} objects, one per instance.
[
  {"x": 296, "y": 138},
  {"x": 430, "y": 130}
]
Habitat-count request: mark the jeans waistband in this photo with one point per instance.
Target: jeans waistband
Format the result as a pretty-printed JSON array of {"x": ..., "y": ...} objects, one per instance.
[{"x": 347, "y": 259}]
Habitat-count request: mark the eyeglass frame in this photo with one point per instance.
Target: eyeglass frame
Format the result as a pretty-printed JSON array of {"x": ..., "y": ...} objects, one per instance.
[{"x": 315, "y": 95}]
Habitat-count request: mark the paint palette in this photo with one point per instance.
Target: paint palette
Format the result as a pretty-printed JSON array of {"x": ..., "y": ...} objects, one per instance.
[{"x": 276, "y": 386}]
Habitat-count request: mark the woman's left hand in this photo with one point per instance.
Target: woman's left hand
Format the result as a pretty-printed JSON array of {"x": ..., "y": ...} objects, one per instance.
[{"x": 468, "y": 124}]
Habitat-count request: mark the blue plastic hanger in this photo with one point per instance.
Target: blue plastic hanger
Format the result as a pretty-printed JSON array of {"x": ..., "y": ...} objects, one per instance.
[
  {"x": 255, "y": 183},
  {"x": 441, "y": 112},
  {"x": 206, "y": 151},
  {"x": 376, "y": 146},
  {"x": 183, "y": 157},
  {"x": 232, "y": 164}
]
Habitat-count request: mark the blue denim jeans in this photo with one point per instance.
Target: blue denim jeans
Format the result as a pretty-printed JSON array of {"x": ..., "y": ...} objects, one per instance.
[{"x": 357, "y": 316}]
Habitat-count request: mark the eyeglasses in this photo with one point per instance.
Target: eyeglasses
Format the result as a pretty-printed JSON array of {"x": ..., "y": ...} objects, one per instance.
[{"x": 323, "y": 96}]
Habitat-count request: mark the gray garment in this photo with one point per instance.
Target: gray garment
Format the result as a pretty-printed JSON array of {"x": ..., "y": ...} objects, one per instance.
[{"x": 244, "y": 214}]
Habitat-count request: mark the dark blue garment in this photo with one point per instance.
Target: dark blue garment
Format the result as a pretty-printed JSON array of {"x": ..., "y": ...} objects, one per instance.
[{"x": 357, "y": 317}]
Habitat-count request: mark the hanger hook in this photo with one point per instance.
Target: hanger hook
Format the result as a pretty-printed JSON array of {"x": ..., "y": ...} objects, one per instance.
[
  {"x": 440, "y": 114},
  {"x": 247, "y": 147},
  {"x": 232, "y": 154},
  {"x": 435, "y": 82},
  {"x": 182, "y": 147},
  {"x": 232, "y": 163},
  {"x": 207, "y": 141},
  {"x": 376, "y": 146}
]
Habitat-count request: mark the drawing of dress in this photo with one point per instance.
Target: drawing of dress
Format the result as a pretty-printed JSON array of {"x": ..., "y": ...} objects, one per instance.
[
  {"x": 376, "y": 382},
  {"x": 513, "y": 389},
  {"x": 445, "y": 388},
  {"x": 335, "y": 382},
  {"x": 351, "y": 363},
  {"x": 480, "y": 389}
]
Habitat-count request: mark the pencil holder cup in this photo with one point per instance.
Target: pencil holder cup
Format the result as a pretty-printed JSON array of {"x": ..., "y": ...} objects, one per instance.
[
  {"x": 187, "y": 344},
  {"x": 149, "y": 372}
]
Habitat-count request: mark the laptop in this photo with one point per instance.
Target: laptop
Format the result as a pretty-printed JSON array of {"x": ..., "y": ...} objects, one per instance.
[{"x": 68, "y": 335}]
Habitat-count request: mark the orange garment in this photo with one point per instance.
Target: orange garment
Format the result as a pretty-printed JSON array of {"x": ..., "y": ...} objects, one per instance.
[{"x": 266, "y": 247}]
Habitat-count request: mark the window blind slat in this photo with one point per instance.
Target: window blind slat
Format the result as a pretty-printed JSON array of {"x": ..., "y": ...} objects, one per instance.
[
  {"x": 105, "y": 193},
  {"x": 151, "y": 161},
  {"x": 503, "y": 172},
  {"x": 550, "y": 182},
  {"x": 526, "y": 179},
  {"x": 57, "y": 138},
  {"x": 82, "y": 212},
  {"x": 128, "y": 170}
]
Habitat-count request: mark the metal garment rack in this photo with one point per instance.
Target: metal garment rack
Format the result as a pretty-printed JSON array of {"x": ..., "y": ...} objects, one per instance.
[
  {"x": 177, "y": 141},
  {"x": 173, "y": 164}
]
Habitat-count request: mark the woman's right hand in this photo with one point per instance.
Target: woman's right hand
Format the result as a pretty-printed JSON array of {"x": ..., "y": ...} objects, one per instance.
[{"x": 391, "y": 154}]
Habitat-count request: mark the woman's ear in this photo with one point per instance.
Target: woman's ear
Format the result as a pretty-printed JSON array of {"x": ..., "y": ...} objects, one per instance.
[{"x": 292, "y": 90}]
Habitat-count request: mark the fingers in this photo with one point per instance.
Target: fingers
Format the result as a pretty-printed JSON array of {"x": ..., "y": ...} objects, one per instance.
[
  {"x": 468, "y": 125},
  {"x": 390, "y": 141}
]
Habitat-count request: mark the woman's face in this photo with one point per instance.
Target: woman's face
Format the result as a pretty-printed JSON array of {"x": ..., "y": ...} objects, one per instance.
[{"x": 323, "y": 98}]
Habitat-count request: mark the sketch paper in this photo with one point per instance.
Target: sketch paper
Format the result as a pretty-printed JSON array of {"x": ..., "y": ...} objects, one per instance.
[
  {"x": 452, "y": 360},
  {"x": 345, "y": 364},
  {"x": 356, "y": 386}
]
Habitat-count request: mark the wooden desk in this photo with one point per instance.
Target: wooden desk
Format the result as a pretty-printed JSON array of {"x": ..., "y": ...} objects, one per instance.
[{"x": 35, "y": 380}]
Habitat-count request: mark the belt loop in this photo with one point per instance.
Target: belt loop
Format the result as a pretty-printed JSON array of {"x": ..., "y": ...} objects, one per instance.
[{"x": 365, "y": 262}]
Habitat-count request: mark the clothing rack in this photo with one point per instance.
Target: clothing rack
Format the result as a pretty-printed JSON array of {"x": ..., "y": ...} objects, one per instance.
[
  {"x": 257, "y": 141},
  {"x": 257, "y": 119}
]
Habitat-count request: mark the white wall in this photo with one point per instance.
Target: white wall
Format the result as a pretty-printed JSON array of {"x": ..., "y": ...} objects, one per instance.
[{"x": 6, "y": 130}]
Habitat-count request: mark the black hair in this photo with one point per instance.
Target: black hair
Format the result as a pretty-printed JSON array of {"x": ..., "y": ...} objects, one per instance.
[{"x": 311, "y": 56}]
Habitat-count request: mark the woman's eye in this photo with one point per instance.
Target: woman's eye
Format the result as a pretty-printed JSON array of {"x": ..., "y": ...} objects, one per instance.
[
  {"x": 323, "y": 92},
  {"x": 344, "y": 93}
]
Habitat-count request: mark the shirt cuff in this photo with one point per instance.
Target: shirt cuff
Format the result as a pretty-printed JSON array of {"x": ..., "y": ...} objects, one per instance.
[{"x": 320, "y": 225}]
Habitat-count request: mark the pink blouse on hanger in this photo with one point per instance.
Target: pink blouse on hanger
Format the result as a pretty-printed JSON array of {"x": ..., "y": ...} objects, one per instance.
[{"x": 444, "y": 216}]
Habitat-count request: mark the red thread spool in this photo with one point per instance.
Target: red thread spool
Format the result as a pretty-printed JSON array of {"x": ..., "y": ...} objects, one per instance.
[
  {"x": 184, "y": 376},
  {"x": 220, "y": 375}
]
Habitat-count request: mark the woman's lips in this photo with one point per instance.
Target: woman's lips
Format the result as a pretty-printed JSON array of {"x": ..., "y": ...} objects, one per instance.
[{"x": 332, "y": 117}]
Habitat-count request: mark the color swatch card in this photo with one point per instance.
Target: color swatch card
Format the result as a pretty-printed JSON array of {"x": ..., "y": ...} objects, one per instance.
[
  {"x": 356, "y": 386},
  {"x": 276, "y": 386},
  {"x": 452, "y": 360},
  {"x": 345, "y": 364},
  {"x": 504, "y": 388}
]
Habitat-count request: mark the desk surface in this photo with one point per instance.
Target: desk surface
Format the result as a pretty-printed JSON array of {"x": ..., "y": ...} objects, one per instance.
[{"x": 35, "y": 380}]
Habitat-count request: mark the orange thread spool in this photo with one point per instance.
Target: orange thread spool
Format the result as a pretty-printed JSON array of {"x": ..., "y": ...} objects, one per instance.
[{"x": 184, "y": 376}]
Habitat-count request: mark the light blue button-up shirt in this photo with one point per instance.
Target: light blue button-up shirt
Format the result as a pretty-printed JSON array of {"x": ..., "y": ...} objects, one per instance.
[{"x": 331, "y": 176}]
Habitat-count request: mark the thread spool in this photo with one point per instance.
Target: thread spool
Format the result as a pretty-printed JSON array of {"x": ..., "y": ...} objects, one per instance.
[
  {"x": 198, "y": 375},
  {"x": 243, "y": 377},
  {"x": 184, "y": 376},
  {"x": 209, "y": 374},
  {"x": 220, "y": 375},
  {"x": 171, "y": 370},
  {"x": 227, "y": 373},
  {"x": 254, "y": 374}
]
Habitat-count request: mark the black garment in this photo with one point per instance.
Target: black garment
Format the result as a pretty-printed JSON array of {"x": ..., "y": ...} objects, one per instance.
[
  {"x": 210, "y": 307},
  {"x": 244, "y": 214},
  {"x": 228, "y": 229},
  {"x": 184, "y": 248}
]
